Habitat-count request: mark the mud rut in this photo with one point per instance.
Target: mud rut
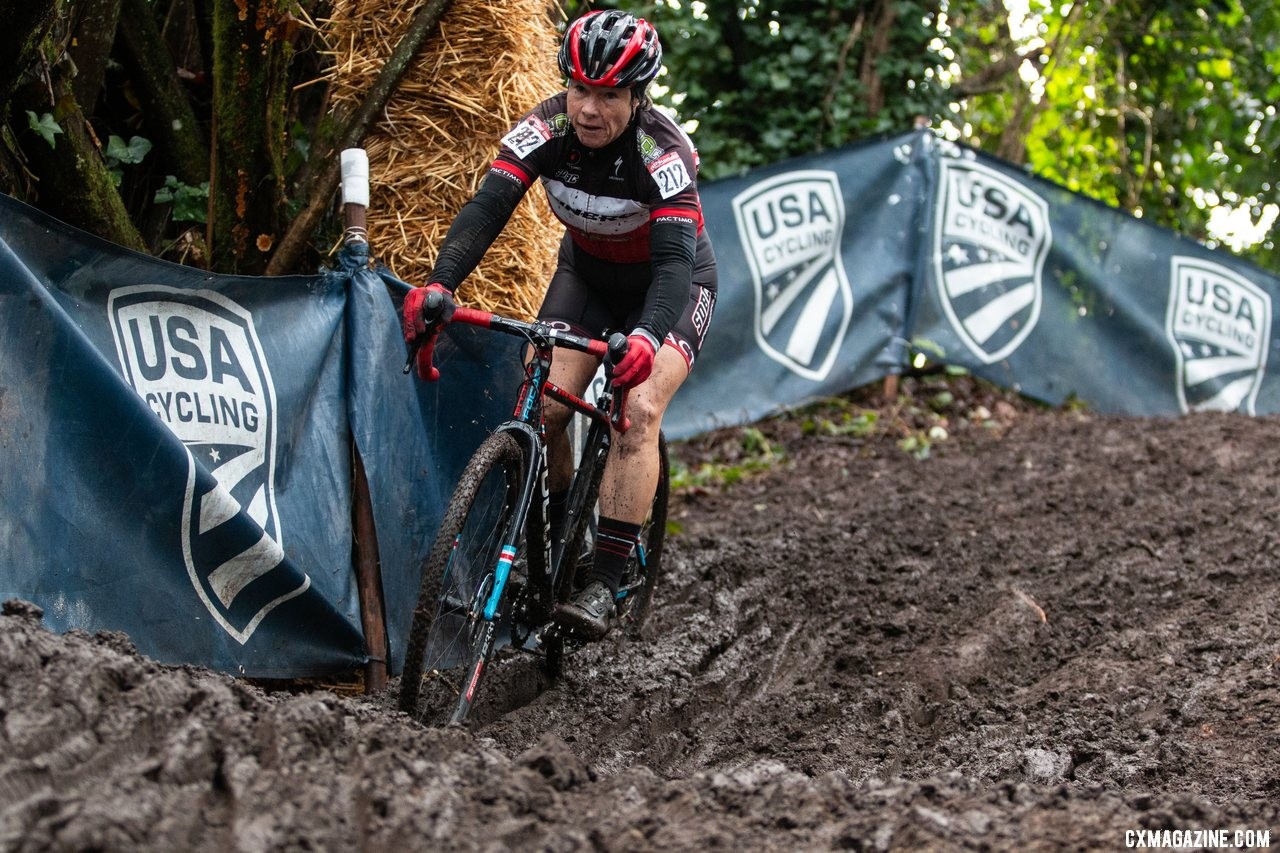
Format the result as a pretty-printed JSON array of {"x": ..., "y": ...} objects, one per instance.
[{"x": 1057, "y": 628}]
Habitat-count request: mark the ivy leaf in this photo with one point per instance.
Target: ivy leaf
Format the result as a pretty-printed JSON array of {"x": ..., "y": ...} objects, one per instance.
[
  {"x": 190, "y": 204},
  {"x": 44, "y": 125},
  {"x": 132, "y": 152},
  {"x": 777, "y": 137}
]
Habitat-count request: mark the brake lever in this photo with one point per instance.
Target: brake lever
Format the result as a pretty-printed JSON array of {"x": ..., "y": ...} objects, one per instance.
[
  {"x": 618, "y": 413},
  {"x": 618, "y": 410},
  {"x": 413, "y": 354}
]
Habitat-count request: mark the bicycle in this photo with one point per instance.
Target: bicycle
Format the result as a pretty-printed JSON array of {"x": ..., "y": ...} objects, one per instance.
[{"x": 493, "y": 579}]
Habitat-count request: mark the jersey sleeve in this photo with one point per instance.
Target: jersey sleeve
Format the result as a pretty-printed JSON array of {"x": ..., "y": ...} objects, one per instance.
[
  {"x": 474, "y": 229},
  {"x": 671, "y": 162},
  {"x": 520, "y": 160},
  {"x": 529, "y": 149}
]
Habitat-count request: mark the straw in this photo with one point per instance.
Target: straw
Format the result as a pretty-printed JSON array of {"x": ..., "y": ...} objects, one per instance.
[{"x": 487, "y": 66}]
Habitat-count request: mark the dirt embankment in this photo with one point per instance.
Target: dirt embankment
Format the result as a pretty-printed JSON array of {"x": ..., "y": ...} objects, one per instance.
[{"x": 1056, "y": 629}]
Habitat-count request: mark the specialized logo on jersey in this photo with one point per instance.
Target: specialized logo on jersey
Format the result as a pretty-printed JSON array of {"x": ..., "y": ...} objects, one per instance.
[
  {"x": 790, "y": 227},
  {"x": 990, "y": 243},
  {"x": 1219, "y": 325},
  {"x": 195, "y": 358}
]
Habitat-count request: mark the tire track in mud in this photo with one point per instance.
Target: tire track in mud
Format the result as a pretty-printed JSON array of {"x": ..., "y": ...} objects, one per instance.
[
  {"x": 848, "y": 652},
  {"x": 925, "y": 649},
  {"x": 666, "y": 701}
]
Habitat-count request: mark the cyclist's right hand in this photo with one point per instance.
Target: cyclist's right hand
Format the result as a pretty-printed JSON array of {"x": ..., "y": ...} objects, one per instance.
[{"x": 426, "y": 309}]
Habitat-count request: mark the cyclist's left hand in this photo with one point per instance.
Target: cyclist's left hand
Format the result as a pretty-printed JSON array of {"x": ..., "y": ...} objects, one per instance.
[{"x": 637, "y": 364}]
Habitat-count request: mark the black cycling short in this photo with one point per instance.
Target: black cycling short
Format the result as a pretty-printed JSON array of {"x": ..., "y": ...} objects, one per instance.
[{"x": 589, "y": 296}]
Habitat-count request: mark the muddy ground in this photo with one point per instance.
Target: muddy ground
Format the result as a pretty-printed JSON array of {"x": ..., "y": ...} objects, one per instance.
[{"x": 1055, "y": 629}]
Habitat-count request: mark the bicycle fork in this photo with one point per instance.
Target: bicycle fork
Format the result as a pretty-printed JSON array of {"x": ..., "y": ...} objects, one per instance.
[{"x": 533, "y": 486}]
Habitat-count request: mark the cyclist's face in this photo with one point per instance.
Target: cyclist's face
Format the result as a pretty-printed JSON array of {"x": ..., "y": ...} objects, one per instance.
[{"x": 599, "y": 114}]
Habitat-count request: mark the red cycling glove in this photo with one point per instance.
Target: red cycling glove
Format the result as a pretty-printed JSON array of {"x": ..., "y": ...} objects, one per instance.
[
  {"x": 414, "y": 326},
  {"x": 637, "y": 364}
]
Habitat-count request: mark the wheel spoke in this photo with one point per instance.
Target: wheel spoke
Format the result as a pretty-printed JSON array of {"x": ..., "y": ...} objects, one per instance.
[{"x": 458, "y": 577}]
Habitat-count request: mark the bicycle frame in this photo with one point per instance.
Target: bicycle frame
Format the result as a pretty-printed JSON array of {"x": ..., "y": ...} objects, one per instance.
[
  {"x": 481, "y": 601},
  {"x": 526, "y": 424}
]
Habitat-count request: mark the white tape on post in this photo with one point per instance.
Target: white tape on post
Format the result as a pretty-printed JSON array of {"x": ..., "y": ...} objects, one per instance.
[{"x": 355, "y": 177}]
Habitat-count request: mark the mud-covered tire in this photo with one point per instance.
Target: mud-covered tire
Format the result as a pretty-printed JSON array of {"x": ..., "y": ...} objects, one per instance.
[{"x": 456, "y": 570}]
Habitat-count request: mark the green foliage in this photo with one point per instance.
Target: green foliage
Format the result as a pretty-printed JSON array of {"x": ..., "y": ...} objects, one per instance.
[
  {"x": 120, "y": 153},
  {"x": 1167, "y": 110},
  {"x": 45, "y": 126},
  {"x": 133, "y": 151},
  {"x": 1164, "y": 109},
  {"x": 847, "y": 422},
  {"x": 768, "y": 81},
  {"x": 190, "y": 204},
  {"x": 756, "y": 453}
]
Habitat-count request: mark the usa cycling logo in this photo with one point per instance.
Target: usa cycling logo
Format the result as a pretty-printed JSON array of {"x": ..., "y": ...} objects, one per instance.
[
  {"x": 1219, "y": 324},
  {"x": 991, "y": 239},
  {"x": 195, "y": 358},
  {"x": 790, "y": 228}
]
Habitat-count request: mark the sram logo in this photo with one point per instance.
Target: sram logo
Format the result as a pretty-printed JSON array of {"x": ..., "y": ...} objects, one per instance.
[
  {"x": 195, "y": 358},
  {"x": 1219, "y": 324},
  {"x": 790, "y": 227},
  {"x": 990, "y": 243}
]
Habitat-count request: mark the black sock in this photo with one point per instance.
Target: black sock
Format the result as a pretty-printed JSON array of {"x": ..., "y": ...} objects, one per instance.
[{"x": 615, "y": 541}]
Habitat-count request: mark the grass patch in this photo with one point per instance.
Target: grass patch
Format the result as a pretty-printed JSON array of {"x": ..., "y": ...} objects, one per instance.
[{"x": 755, "y": 452}]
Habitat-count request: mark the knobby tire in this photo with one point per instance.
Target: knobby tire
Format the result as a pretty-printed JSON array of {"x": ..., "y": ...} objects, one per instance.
[{"x": 455, "y": 579}]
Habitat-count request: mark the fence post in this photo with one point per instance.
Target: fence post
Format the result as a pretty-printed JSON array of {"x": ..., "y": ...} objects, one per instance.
[
  {"x": 355, "y": 200},
  {"x": 368, "y": 577}
]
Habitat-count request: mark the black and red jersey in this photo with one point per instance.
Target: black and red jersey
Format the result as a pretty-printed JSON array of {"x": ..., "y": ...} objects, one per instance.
[
  {"x": 631, "y": 207},
  {"x": 608, "y": 197}
]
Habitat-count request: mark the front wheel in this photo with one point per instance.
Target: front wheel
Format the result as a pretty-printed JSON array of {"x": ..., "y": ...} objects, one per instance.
[{"x": 450, "y": 641}]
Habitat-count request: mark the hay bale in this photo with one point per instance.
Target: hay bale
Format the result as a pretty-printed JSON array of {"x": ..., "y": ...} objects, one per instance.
[{"x": 488, "y": 64}]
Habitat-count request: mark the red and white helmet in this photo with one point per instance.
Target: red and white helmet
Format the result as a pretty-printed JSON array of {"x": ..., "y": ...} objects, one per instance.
[{"x": 611, "y": 48}]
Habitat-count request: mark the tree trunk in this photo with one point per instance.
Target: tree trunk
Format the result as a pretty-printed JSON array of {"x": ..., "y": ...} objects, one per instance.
[
  {"x": 882, "y": 28},
  {"x": 95, "y": 31},
  {"x": 250, "y": 65},
  {"x": 324, "y": 164},
  {"x": 73, "y": 183},
  {"x": 25, "y": 26},
  {"x": 170, "y": 119},
  {"x": 725, "y": 13},
  {"x": 20, "y": 39}
]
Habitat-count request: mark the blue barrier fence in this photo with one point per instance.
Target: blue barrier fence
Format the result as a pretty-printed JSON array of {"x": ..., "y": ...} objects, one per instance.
[{"x": 177, "y": 445}]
